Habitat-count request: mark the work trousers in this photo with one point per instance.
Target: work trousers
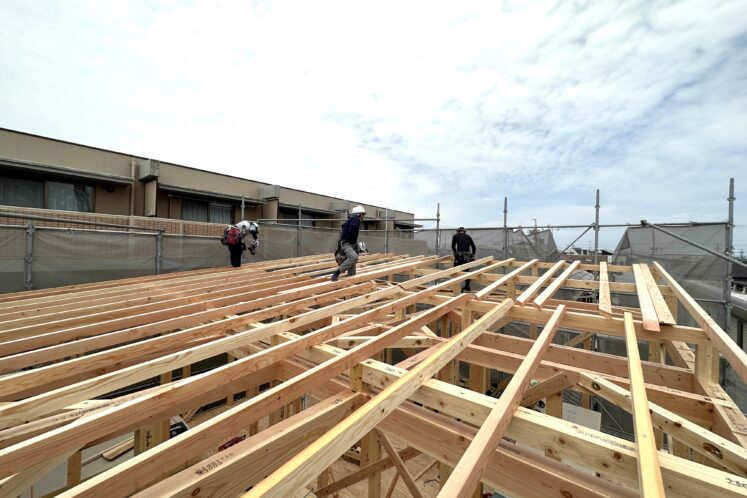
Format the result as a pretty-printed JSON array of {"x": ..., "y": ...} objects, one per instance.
[
  {"x": 351, "y": 258},
  {"x": 235, "y": 251},
  {"x": 461, "y": 258}
]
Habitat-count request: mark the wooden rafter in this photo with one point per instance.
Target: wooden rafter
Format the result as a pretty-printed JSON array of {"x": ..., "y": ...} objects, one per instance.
[
  {"x": 288, "y": 332},
  {"x": 649, "y": 472}
]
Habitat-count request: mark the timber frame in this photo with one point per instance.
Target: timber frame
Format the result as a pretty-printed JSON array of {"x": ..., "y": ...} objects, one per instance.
[{"x": 333, "y": 368}]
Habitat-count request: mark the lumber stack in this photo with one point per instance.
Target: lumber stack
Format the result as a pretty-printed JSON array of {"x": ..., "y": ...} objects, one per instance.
[{"x": 302, "y": 371}]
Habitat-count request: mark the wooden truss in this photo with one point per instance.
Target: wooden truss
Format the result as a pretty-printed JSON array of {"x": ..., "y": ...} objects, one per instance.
[{"x": 392, "y": 363}]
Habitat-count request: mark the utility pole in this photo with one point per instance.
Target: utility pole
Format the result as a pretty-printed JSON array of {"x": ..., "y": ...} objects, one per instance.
[
  {"x": 505, "y": 228},
  {"x": 728, "y": 252},
  {"x": 386, "y": 229},
  {"x": 438, "y": 229},
  {"x": 596, "y": 232}
]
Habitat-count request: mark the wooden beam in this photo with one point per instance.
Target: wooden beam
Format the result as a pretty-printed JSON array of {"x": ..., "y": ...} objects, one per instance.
[
  {"x": 322, "y": 452},
  {"x": 579, "y": 339},
  {"x": 468, "y": 472},
  {"x": 168, "y": 455},
  {"x": 230, "y": 472},
  {"x": 511, "y": 470},
  {"x": 365, "y": 472},
  {"x": 538, "y": 284},
  {"x": 551, "y": 289},
  {"x": 44, "y": 403},
  {"x": 726, "y": 346},
  {"x": 650, "y": 319},
  {"x": 504, "y": 279},
  {"x": 605, "y": 301},
  {"x": 716, "y": 448},
  {"x": 662, "y": 310},
  {"x": 400, "y": 464},
  {"x": 608, "y": 455},
  {"x": 553, "y": 385},
  {"x": 649, "y": 472}
]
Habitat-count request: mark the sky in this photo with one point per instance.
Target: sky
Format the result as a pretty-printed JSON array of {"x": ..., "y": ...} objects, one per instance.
[{"x": 407, "y": 104}]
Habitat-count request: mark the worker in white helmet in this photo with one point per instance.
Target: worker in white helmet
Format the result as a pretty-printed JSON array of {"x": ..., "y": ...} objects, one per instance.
[
  {"x": 348, "y": 243},
  {"x": 233, "y": 237}
]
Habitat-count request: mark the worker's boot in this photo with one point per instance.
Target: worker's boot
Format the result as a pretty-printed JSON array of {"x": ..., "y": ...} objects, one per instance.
[{"x": 335, "y": 276}]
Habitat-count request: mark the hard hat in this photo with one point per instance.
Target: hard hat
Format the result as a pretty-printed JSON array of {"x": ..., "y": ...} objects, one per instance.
[
  {"x": 358, "y": 210},
  {"x": 247, "y": 225}
]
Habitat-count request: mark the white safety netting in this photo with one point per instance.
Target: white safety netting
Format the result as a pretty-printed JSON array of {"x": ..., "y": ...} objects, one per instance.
[
  {"x": 12, "y": 254},
  {"x": 490, "y": 242},
  {"x": 701, "y": 274},
  {"x": 61, "y": 256}
]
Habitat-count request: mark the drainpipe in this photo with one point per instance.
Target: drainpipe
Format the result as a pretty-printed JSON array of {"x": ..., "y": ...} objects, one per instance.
[{"x": 133, "y": 169}]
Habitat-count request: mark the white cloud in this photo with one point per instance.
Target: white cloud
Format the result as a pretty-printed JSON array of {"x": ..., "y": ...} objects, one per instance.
[{"x": 405, "y": 104}]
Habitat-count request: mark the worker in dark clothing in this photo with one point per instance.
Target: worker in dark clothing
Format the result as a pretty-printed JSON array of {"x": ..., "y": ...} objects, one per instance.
[
  {"x": 464, "y": 250},
  {"x": 349, "y": 242}
]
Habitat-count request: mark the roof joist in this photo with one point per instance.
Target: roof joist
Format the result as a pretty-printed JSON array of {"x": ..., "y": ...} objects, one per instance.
[{"x": 289, "y": 332}]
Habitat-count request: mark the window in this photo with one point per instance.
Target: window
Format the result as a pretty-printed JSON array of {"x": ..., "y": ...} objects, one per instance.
[
  {"x": 65, "y": 196},
  {"x": 307, "y": 219},
  {"x": 23, "y": 193},
  {"x": 70, "y": 196},
  {"x": 204, "y": 211},
  {"x": 220, "y": 213},
  {"x": 193, "y": 210}
]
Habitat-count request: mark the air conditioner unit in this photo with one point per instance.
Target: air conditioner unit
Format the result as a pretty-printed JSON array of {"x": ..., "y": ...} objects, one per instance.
[{"x": 148, "y": 169}]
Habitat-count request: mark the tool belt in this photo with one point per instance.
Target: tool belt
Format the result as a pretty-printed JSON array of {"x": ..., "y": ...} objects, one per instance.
[{"x": 464, "y": 257}]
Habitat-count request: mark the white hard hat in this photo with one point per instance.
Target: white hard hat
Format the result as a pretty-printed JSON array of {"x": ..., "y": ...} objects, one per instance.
[{"x": 358, "y": 210}]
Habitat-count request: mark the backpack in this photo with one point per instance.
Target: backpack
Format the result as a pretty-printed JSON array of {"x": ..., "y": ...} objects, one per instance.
[{"x": 233, "y": 236}]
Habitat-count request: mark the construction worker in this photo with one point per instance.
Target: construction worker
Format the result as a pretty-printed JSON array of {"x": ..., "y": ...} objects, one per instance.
[
  {"x": 233, "y": 237},
  {"x": 349, "y": 242},
  {"x": 464, "y": 250}
]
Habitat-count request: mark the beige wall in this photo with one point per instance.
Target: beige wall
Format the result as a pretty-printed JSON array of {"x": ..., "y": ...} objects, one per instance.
[
  {"x": 115, "y": 202},
  {"x": 172, "y": 174},
  {"x": 162, "y": 204},
  {"x": 51, "y": 152},
  {"x": 175, "y": 208}
]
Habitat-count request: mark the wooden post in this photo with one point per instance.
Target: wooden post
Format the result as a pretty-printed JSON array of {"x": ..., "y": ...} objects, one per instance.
[
  {"x": 254, "y": 427},
  {"x": 554, "y": 407},
  {"x": 73, "y": 469},
  {"x": 370, "y": 444},
  {"x": 229, "y": 398}
]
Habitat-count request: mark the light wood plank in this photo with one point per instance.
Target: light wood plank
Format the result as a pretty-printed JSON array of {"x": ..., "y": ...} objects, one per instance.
[
  {"x": 605, "y": 301},
  {"x": 322, "y": 452},
  {"x": 662, "y": 309},
  {"x": 718, "y": 449},
  {"x": 504, "y": 279},
  {"x": 469, "y": 471},
  {"x": 649, "y": 472},
  {"x": 650, "y": 319},
  {"x": 400, "y": 464},
  {"x": 539, "y": 283},
  {"x": 551, "y": 289}
]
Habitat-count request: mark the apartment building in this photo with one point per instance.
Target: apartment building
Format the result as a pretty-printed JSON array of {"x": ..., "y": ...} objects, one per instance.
[{"x": 40, "y": 173}]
